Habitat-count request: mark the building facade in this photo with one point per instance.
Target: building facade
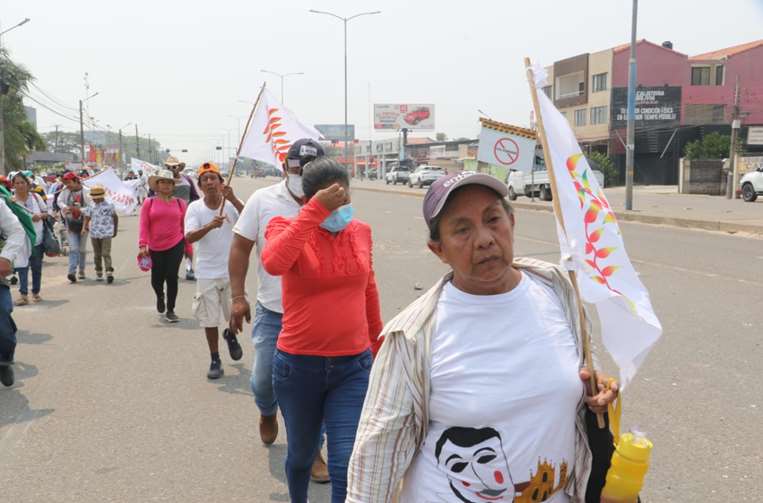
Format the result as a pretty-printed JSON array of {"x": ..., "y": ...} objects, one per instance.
[{"x": 679, "y": 99}]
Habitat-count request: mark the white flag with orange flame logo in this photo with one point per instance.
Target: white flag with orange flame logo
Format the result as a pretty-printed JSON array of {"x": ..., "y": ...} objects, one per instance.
[
  {"x": 272, "y": 131},
  {"x": 592, "y": 245}
]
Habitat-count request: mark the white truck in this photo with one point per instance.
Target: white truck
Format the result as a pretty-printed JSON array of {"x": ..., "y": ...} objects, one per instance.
[{"x": 537, "y": 182}]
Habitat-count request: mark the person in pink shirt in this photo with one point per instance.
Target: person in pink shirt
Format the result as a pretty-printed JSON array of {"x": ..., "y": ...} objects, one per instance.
[{"x": 162, "y": 237}]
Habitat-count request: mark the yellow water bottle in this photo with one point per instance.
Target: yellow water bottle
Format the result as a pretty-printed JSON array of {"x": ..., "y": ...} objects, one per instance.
[{"x": 630, "y": 462}]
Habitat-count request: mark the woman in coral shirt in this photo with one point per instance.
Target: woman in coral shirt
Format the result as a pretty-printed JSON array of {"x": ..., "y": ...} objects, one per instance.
[{"x": 331, "y": 324}]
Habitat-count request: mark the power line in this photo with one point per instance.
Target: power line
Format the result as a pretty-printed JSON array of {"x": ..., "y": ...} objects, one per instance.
[
  {"x": 43, "y": 105},
  {"x": 51, "y": 98}
]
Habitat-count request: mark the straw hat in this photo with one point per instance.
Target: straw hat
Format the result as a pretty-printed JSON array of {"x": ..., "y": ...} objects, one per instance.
[
  {"x": 171, "y": 161},
  {"x": 162, "y": 174},
  {"x": 97, "y": 191}
]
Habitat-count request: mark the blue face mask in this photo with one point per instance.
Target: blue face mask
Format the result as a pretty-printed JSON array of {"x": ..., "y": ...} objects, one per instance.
[{"x": 339, "y": 218}]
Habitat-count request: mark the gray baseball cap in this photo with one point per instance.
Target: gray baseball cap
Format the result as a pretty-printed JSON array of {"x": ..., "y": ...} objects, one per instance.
[{"x": 440, "y": 191}]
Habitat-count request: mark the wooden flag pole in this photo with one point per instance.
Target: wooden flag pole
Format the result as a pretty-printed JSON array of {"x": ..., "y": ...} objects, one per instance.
[
  {"x": 232, "y": 171},
  {"x": 584, "y": 334}
]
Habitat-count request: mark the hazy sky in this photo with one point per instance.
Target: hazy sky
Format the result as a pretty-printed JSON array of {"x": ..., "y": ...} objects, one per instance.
[{"x": 179, "y": 69}]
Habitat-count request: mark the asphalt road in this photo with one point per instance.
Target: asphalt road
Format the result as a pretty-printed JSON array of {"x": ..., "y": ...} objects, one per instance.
[{"x": 111, "y": 404}]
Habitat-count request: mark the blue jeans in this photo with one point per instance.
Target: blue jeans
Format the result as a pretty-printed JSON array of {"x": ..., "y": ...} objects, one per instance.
[
  {"x": 7, "y": 326},
  {"x": 265, "y": 330},
  {"x": 77, "y": 251},
  {"x": 35, "y": 263},
  {"x": 315, "y": 389}
]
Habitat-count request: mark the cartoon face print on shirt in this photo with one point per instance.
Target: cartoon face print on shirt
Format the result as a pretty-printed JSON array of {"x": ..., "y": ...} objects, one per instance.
[{"x": 475, "y": 464}]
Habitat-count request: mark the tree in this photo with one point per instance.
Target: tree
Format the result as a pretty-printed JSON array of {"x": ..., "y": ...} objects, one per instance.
[
  {"x": 711, "y": 146},
  {"x": 441, "y": 137},
  {"x": 604, "y": 163},
  {"x": 19, "y": 135}
]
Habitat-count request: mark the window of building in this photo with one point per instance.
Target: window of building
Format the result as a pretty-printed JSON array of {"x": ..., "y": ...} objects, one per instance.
[
  {"x": 700, "y": 76},
  {"x": 580, "y": 117},
  {"x": 599, "y": 115},
  {"x": 599, "y": 82},
  {"x": 547, "y": 90},
  {"x": 719, "y": 75},
  {"x": 570, "y": 85}
]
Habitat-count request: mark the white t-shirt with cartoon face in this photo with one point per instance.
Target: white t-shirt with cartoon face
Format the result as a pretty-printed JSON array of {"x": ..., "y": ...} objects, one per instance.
[{"x": 504, "y": 396}]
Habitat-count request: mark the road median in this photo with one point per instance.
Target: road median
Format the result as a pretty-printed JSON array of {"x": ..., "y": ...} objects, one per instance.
[{"x": 728, "y": 227}]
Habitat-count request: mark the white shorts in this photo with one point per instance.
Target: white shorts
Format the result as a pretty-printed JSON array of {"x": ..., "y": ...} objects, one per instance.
[{"x": 211, "y": 304}]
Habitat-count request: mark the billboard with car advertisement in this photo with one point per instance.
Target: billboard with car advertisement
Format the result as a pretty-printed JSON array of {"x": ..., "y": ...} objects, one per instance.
[{"x": 415, "y": 117}]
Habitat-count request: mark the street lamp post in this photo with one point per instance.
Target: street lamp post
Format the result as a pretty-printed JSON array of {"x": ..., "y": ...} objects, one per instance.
[
  {"x": 121, "y": 147},
  {"x": 345, "y": 20},
  {"x": 2, "y": 98},
  {"x": 282, "y": 76}
]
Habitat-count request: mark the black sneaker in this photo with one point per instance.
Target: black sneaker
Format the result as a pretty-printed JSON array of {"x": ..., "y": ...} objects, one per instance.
[
  {"x": 6, "y": 374},
  {"x": 215, "y": 370},
  {"x": 160, "y": 307},
  {"x": 234, "y": 348},
  {"x": 190, "y": 276},
  {"x": 109, "y": 279},
  {"x": 72, "y": 278},
  {"x": 171, "y": 317}
]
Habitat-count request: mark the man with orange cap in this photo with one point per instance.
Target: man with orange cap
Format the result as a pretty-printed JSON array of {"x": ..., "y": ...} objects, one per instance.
[{"x": 212, "y": 232}]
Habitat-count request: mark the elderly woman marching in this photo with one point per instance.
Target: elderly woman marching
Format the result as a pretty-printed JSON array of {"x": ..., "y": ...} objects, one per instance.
[
  {"x": 162, "y": 238},
  {"x": 477, "y": 392}
]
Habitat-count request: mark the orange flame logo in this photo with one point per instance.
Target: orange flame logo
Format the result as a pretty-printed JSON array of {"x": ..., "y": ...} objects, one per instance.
[{"x": 275, "y": 135}]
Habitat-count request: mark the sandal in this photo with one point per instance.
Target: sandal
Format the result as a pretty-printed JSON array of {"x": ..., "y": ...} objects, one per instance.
[
  {"x": 36, "y": 298},
  {"x": 22, "y": 301}
]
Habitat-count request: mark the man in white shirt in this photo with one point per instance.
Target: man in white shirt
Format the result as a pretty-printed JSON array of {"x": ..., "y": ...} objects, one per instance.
[
  {"x": 15, "y": 253},
  {"x": 213, "y": 233},
  {"x": 282, "y": 199}
]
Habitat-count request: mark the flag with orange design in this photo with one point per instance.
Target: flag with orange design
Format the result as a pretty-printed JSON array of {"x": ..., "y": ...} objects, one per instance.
[
  {"x": 272, "y": 130},
  {"x": 592, "y": 245}
]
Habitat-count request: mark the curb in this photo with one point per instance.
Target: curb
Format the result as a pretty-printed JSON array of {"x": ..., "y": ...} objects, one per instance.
[{"x": 685, "y": 223}]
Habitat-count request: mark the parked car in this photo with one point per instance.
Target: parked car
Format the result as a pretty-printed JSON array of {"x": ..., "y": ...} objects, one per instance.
[
  {"x": 752, "y": 185},
  {"x": 399, "y": 172},
  {"x": 425, "y": 175},
  {"x": 528, "y": 184}
]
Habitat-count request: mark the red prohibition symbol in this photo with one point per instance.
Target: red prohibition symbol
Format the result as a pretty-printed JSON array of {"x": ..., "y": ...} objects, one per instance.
[{"x": 506, "y": 151}]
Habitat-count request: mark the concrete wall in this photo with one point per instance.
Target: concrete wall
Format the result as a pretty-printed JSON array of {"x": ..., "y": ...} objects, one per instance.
[{"x": 702, "y": 177}]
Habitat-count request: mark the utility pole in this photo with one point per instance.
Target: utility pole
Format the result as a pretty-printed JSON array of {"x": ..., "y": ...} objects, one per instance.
[
  {"x": 630, "y": 147},
  {"x": 121, "y": 154},
  {"x": 137, "y": 142},
  {"x": 81, "y": 136},
  {"x": 55, "y": 148},
  {"x": 150, "y": 150},
  {"x": 732, "y": 179}
]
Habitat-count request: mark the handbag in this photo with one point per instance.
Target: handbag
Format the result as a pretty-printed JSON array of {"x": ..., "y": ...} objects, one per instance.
[{"x": 50, "y": 243}]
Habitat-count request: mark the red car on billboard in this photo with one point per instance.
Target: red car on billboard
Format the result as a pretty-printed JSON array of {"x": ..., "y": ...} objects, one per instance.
[{"x": 418, "y": 115}]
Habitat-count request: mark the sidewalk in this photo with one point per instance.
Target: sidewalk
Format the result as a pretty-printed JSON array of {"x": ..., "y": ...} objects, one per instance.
[{"x": 654, "y": 204}]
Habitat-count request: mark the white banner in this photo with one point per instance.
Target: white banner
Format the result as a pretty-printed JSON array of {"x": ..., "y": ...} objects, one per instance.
[
  {"x": 147, "y": 168},
  {"x": 118, "y": 193},
  {"x": 272, "y": 131},
  {"x": 592, "y": 245},
  {"x": 506, "y": 149}
]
